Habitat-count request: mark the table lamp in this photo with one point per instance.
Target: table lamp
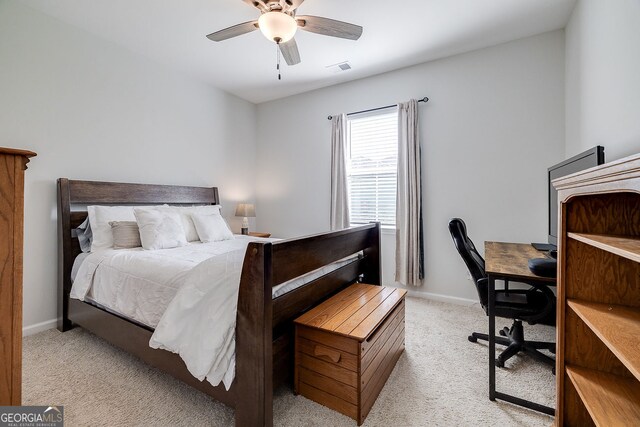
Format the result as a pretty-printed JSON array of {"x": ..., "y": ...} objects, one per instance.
[{"x": 245, "y": 210}]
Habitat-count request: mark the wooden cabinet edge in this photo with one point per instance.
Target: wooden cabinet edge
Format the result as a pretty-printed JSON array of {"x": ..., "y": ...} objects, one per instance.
[{"x": 15, "y": 182}]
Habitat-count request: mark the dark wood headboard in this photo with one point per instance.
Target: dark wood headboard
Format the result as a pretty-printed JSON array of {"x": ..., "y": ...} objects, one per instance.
[{"x": 83, "y": 193}]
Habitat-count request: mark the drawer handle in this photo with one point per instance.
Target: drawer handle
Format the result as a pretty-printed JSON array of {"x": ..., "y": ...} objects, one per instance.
[{"x": 333, "y": 355}]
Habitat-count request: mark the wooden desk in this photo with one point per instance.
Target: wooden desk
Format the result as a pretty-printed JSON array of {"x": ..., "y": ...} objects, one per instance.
[
  {"x": 512, "y": 260},
  {"x": 509, "y": 262}
]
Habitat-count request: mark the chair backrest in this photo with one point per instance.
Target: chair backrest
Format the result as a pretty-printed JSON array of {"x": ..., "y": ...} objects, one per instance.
[{"x": 470, "y": 256}]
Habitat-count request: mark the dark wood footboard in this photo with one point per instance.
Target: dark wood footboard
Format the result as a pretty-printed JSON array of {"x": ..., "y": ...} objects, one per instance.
[
  {"x": 260, "y": 317},
  {"x": 264, "y": 338}
]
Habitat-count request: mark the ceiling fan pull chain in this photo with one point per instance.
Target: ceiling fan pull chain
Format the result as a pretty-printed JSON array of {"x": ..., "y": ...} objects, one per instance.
[{"x": 278, "y": 60}]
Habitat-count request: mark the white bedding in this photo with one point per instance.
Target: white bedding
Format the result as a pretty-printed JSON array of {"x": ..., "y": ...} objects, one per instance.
[{"x": 188, "y": 294}]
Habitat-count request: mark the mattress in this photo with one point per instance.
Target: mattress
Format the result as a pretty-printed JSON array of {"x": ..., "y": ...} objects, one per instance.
[{"x": 139, "y": 285}]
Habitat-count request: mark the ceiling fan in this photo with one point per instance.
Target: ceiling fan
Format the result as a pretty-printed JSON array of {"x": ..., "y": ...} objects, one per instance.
[{"x": 278, "y": 22}]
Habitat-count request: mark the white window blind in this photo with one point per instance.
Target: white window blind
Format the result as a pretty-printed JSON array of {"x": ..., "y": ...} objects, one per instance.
[{"x": 372, "y": 167}]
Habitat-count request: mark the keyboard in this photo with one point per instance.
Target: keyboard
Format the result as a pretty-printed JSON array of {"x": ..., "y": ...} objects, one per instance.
[{"x": 544, "y": 247}]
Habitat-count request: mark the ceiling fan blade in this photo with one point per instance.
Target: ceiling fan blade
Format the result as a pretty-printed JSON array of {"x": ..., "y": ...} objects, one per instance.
[
  {"x": 290, "y": 52},
  {"x": 329, "y": 27},
  {"x": 292, "y": 4},
  {"x": 236, "y": 30}
]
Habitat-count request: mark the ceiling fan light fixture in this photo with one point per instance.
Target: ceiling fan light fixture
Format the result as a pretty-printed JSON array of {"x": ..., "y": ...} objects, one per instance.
[{"x": 277, "y": 26}]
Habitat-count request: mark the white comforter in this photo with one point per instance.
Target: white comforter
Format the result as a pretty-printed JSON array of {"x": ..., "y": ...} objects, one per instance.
[{"x": 199, "y": 322}]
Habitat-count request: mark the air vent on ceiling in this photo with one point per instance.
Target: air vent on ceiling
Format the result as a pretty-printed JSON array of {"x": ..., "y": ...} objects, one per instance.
[{"x": 340, "y": 67}]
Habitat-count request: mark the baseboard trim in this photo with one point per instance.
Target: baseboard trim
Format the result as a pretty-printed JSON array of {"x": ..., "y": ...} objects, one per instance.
[
  {"x": 39, "y": 327},
  {"x": 442, "y": 298}
]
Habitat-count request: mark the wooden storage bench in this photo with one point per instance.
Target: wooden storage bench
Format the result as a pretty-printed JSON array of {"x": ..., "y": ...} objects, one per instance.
[{"x": 347, "y": 347}]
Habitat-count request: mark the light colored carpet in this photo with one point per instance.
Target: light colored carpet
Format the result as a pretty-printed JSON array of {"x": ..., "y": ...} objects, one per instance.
[{"x": 440, "y": 380}]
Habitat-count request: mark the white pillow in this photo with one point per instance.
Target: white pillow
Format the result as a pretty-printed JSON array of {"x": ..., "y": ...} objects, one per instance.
[
  {"x": 101, "y": 216},
  {"x": 159, "y": 228},
  {"x": 211, "y": 227},
  {"x": 187, "y": 223}
]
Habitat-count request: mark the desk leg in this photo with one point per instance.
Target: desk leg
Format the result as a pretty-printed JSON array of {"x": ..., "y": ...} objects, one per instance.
[
  {"x": 493, "y": 394},
  {"x": 492, "y": 337}
]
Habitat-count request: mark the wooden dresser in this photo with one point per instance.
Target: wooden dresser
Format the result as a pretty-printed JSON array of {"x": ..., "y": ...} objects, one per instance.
[
  {"x": 347, "y": 346},
  {"x": 598, "y": 354},
  {"x": 13, "y": 163}
]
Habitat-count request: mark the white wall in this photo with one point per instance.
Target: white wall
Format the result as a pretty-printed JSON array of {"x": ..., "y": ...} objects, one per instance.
[
  {"x": 603, "y": 77},
  {"x": 495, "y": 122},
  {"x": 92, "y": 110}
]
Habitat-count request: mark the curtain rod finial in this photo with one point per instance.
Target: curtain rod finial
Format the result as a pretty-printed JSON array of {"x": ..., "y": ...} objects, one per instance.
[{"x": 329, "y": 117}]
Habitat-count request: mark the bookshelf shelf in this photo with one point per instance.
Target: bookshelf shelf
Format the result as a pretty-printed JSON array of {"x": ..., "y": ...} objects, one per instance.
[
  {"x": 611, "y": 400},
  {"x": 617, "y": 326},
  {"x": 619, "y": 245}
]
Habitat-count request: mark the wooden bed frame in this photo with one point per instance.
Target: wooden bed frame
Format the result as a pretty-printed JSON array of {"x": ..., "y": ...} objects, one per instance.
[{"x": 264, "y": 332}]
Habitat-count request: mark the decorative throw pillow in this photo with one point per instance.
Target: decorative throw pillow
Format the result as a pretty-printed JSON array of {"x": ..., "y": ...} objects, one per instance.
[
  {"x": 187, "y": 223},
  {"x": 211, "y": 227},
  {"x": 159, "y": 228},
  {"x": 126, "y": 234}
]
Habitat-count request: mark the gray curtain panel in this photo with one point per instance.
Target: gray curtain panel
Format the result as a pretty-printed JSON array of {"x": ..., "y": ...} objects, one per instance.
[
  {"x": 339, "y": 188},
  {"x": 409, "y": 255}
]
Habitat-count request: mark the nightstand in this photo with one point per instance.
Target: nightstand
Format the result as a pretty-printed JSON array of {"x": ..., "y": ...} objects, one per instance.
[{"x": 256, "y": 234}]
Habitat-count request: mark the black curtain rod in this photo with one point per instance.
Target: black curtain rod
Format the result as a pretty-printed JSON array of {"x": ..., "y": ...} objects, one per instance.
[{"x": 425, "y": 99}]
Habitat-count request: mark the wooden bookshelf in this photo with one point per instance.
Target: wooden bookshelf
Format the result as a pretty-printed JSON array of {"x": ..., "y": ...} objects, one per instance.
[
  {"x": 610, "y": 400},
  {"x": 598, "y": 315}
]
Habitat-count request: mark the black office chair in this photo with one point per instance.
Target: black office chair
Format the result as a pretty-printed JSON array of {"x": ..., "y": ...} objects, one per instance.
[{"x": 534, "y": 305}]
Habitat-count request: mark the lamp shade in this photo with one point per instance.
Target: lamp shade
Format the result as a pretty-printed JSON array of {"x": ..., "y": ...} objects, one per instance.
[
  {"x": 277, "y": 26},
  {"x": 245, "y": 210}
]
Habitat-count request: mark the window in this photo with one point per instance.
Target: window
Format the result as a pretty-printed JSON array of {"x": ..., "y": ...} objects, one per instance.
[{"x": 372, "y": 163}]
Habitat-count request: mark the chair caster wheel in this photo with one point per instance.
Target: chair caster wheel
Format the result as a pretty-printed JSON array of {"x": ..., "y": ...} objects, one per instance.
[
  {"x": 499, "y": 363},
  {"x": 503, "y": 333},
  {"x": 472, "y": 338}
]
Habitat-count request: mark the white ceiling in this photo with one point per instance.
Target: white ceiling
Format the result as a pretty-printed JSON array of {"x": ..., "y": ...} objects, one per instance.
[{"x": 396, "y": 34}]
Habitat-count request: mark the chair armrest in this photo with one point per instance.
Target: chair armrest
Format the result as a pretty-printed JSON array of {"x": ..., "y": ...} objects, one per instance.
[
  {"x": 548, "y": 309},
  {"x": 543, "y": 288}
]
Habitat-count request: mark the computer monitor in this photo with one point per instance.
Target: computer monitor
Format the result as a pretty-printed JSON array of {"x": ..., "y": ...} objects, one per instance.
[{"x": 586, "y": 160}]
